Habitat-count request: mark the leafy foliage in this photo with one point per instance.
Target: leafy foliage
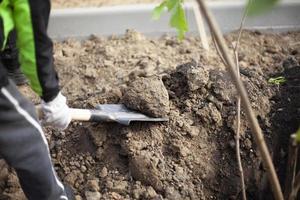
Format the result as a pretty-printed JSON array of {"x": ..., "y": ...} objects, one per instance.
[
  {"x": 260, "y": 6},
  {"x": 298, "y": 135},
  {"x": 178, "y": 18}
]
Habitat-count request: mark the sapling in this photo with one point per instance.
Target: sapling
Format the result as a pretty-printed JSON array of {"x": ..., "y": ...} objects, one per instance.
[
  {"x": 292, "y": 181},
  {"x": 260, "y": 6},
  {"x": 178, "y": 18}
]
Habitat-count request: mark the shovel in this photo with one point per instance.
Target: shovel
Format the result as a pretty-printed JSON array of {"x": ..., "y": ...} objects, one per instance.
[{"x": 109, "y": 113}]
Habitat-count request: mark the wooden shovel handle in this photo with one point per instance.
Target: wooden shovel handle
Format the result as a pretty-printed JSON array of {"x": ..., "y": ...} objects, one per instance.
[
  {"x": 39, "y": 112},
  {"x": 76, "y": 114},
  {"x": 82, "y": 115}
]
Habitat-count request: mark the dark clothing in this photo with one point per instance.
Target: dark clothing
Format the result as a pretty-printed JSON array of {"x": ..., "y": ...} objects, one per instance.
[
  {"x": 9, "y": 56},
  {"x": 22, "y": 141},
  {"x": 30, "y": 20},
  {"x": 24, "y": 147}
]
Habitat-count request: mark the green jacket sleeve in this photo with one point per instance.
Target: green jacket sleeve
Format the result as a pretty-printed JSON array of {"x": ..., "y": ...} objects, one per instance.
[{"x": 35, "y": 47}]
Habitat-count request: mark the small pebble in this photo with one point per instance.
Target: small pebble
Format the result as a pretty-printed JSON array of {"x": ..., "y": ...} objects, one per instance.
[{"x": 103, "y": 172}]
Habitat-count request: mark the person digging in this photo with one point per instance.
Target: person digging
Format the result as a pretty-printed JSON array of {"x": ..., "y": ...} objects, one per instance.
[{"x": 22, "y": 142}]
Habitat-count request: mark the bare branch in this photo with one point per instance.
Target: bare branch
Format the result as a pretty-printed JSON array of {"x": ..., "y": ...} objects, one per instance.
[
  {"x": 218, "y": 50},
  {"x": 291, "y": 169},
  {"x": 238, "y": 107},
  {"x": 237, "y": 137},
  {"x": 296, "y": 187},
  {"x": 263, "y": 149}
]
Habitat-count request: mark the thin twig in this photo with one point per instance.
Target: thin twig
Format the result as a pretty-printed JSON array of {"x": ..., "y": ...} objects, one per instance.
[
  {"x": 262, "y": 147},
  {"x": 295, "y": 44},
  {"x": 238, "y": 107},
  {"x": 296, "y": 187},
  {"x": 218, "y": 50},
  {"x": 200, "y": 26},
  {"x": 241, "y": 29},
  {"x": 237, "y": 137},
  {"x": 291, "y": 168}
]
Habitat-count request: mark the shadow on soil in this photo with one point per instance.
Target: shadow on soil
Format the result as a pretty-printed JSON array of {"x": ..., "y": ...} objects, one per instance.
[{"x": 285, "y": 120}]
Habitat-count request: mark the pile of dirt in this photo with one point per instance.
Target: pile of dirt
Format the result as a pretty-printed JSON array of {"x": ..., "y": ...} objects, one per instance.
[{"x": 192, "y": 156}]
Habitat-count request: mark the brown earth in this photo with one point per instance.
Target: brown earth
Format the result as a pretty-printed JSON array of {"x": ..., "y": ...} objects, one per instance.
[{"x": 193, "y": 155}]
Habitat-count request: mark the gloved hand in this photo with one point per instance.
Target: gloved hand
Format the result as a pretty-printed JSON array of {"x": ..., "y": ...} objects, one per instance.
[{"x": 56, "y": 112}]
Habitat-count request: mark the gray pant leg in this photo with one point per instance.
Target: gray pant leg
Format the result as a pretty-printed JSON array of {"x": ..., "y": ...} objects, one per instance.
[{"x": 24, "y": 147}]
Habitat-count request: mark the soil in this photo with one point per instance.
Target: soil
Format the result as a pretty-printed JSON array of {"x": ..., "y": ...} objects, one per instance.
[{"x": 192, "y": 156}]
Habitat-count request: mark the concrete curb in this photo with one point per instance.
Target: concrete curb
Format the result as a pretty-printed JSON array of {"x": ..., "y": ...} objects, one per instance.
[{"x": 82, "y": 22}]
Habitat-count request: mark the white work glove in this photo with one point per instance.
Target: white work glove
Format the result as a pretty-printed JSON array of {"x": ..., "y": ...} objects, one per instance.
[{"x": 56, "y": 113}]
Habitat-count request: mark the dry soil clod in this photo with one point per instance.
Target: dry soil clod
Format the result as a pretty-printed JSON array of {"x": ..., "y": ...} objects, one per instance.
[{"x": 147, "y": 95}]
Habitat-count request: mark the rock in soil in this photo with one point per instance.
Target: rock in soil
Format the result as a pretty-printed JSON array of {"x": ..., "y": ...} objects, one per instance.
[
  {"x": 92, "y": 195},
  {"x": 147, "y": 95},
  {"x": 196, "y": 76},
  {"x": 144, "y": 168}
]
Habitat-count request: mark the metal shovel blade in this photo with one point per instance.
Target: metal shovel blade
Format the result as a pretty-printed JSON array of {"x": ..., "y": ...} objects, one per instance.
[
  {"x": 121, "y": 114},
  {"x": 108, "y": 113}
]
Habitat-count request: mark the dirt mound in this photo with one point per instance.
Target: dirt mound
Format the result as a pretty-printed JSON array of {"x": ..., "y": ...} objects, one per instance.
[{"x": 192, "y": 156}]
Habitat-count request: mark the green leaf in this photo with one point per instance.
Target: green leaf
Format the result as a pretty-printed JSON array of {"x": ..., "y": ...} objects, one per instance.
[
  {"x": 156, "y": 13},
  {"x": 259, "y": 6},
  {"x": 171, "y": 4},
  {"x": 278, "y": 80},
  {"x": 178, "y": 20}
]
